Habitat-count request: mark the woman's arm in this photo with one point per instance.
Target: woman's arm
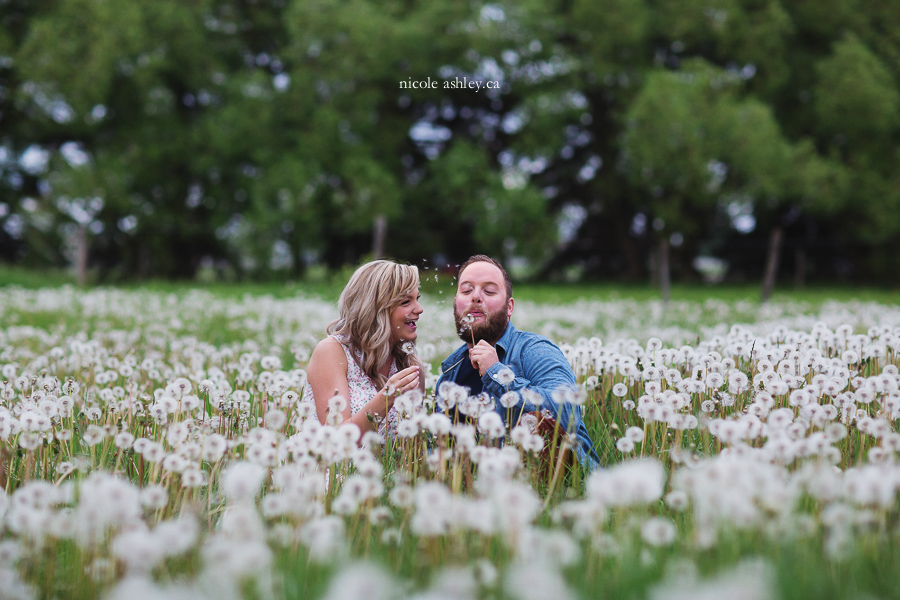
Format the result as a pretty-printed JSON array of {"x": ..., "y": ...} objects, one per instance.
[{"x": 327, "y": 376}]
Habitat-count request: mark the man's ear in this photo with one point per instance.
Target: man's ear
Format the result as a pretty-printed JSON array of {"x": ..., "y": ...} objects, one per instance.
[{"x": 510, "y": 304}]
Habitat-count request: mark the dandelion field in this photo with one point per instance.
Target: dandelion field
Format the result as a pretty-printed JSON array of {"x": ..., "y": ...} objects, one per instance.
[{"x": 157, "y": 445}]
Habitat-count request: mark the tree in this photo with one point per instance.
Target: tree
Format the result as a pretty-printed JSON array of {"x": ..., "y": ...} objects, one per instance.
[{"x": 257, "y": 137}]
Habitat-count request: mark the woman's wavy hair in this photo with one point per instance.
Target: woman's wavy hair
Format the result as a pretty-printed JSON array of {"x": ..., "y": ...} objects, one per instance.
[{"x": 364, "y": 320}]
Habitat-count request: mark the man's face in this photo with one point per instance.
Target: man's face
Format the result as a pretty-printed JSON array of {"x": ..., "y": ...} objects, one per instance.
[{"x": 481, "y": 308}]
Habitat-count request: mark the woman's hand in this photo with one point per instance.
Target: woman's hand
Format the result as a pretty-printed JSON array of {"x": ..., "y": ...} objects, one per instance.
[{"x": 402, "y": 381}]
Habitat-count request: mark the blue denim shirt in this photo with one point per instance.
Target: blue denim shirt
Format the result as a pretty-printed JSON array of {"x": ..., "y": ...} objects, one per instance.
[{"x": 539, "y": 365}]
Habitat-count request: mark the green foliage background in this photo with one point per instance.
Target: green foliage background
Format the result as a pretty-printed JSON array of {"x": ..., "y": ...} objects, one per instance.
[{"x": 254, "y": 138}]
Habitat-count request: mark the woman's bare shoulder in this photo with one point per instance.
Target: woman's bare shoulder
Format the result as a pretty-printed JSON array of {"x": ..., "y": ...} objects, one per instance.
[{"x": 329, "y": 348}]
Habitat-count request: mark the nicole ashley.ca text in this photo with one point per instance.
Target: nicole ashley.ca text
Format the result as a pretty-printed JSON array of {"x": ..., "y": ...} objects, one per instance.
[{"x": 449, "y": 84}]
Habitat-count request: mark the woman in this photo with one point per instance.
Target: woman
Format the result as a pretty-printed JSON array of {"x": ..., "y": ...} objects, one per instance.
[{"x": 368, "y": 357}]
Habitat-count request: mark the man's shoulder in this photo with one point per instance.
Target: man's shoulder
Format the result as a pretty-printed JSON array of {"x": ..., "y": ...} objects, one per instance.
[{"x": 542, "y": 360}]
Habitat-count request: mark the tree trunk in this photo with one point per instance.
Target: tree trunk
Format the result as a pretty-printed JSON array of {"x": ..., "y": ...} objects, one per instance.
[
  {"x": 81, "y": 258},
  {"x": 772, "y": 263},
  {"x": 629, "y": 253},
  {"x": 799, "y": 267},
  {"x": 143, "y": 261},
  {"x": 379, "y": 233},
  {"x": 663, "y": 267}
]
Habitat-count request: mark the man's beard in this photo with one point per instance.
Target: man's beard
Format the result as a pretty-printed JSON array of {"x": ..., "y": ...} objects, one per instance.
[{"x": 489, "y": 330}]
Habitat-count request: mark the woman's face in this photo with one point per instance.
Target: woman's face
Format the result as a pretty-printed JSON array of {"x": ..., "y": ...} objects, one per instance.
[{"x": 404, "y": 317}]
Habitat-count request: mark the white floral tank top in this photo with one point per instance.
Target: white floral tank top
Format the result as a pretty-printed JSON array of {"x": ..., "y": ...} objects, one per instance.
[{"x": 362, "y": 390}]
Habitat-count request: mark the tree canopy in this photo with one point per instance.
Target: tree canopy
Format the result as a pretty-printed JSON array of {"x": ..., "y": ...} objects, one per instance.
[{"x": 258, "y": 137}]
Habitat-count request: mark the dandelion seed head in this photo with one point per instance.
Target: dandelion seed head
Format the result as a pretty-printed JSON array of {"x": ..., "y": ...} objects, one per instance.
[
  {"x": 536, "y": 581},
  {"x": 505, "y": 376},
  {"x": 659, "y": 531},
  {"x": 625, "y": 445},
  {"x": 241, "y": 481}
]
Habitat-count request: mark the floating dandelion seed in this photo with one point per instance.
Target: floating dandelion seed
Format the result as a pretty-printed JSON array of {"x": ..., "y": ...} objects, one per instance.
[{"x": 466, "y": 325}]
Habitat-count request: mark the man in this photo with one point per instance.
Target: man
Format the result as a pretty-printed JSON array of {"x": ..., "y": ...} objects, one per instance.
[{"x": 493, "y": 347}]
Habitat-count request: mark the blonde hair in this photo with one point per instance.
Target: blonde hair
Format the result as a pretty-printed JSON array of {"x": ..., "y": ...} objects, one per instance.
[{"x": 364, "y": 320}]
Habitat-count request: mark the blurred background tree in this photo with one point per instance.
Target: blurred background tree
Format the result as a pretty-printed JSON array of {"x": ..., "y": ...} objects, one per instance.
[{"x": 627, "y": 139}]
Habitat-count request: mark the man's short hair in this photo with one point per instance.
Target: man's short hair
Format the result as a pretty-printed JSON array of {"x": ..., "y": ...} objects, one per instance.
[{"x": 485, "y": 258}]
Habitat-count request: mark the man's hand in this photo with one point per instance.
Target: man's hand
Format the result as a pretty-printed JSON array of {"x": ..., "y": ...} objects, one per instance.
[{"x": 483, "y": 355}]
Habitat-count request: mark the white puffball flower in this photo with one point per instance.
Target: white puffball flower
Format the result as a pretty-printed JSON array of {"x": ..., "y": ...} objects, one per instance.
[
  {"x": 214, "y": 447},
  {"x": 509, "y": 399},
  {"x": 536, "y": 581},
  {"x": 289, "y": 398},
  {"x": 337, "y": 404},
  {"x": 505, "y": 376},
  {"x": 520, "y": 435},
  {"x": 677, "y": 500},
  {"x": 491, "y": 425},
  {"x": 535, "y": 444},
  {"x": 105, "y": 501},
  {"x": 633, "y": 482},
  {"x": 324, "y": 537},
  {"x": 154, "y": 497},
  {"x": 659, "y": 531},
  {"x": 270, "y": 363},
  {"x": 175, "y": 463},
  {"x": 139, "y": 550},
  {"x": 241, "y": 481},
  {"x": 625, "y": 445},
  {"x": 193, "y": 477},
  {"x": 439, "y": 424},
  {"x": 362, "y": 581},
  {"x": 153, "y": 452},
  {"x": 402, "y": 496},
  {"x": 275, "y": 419},
  {"x": 620, "y": 389},
  {"x": 235, "y": 560},
  {"x": 451, "y": 582},
  {"x": 124, "y": 440},
  {"x": 751, "y": 579},
  {"x": 407, "y": 428},
  {"x": 635, "y": 434},
  {"x": 93, "y": 434},
  {"x": 242, "y": 522}
]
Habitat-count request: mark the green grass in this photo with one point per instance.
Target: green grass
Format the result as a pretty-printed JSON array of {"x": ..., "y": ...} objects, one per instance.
[
  {"x": 34, "y": 278},
  {"x": 572, "y": 292},
  {"x": 328, "y": 285}
]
